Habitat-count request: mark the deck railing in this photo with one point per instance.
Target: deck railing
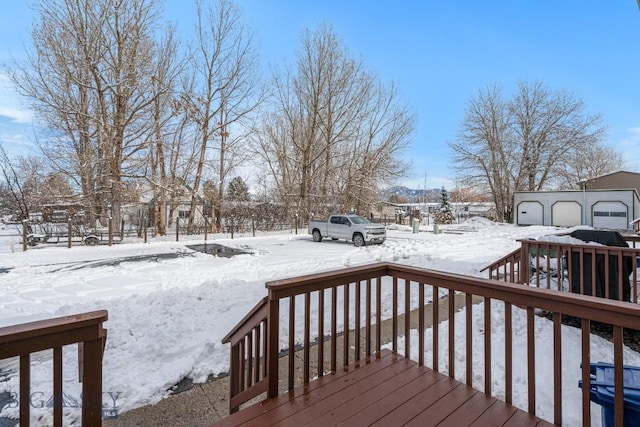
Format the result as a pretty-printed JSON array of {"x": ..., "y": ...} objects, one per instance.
[
  {"x": 596, "y": 270},
  {"x": 249, "y": 364},
  {"x": 506, "y": 268},
  {"x": 84, "y": 329},
  {"x": 347, "y": 307}
]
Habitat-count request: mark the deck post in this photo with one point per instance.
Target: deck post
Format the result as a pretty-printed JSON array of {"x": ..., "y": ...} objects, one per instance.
[
  {"x": 69, "y": 230},
  {"x": 91, "y": 363},
  {"x": 235, "y": 375},
  {"x": 523, "y": 271},
  {"x": 273, "y": 339}
]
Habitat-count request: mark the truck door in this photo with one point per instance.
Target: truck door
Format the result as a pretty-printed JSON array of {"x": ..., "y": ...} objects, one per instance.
[{"x": 336, "y": 228}]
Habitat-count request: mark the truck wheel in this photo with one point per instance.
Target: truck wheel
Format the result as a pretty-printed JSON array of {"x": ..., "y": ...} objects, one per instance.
[
  {"x": 358, "y": 240},
  {"x": 317, "y": 237},
  {"x": 91, "y": 240}
]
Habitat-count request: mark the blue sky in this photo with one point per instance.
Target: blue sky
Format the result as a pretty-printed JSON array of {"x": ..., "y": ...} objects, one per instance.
[{"x": 438, "y": 53}]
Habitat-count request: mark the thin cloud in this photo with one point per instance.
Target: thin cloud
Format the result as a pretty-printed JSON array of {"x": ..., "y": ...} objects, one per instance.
[
  {"x": 10, "y": 103},
  {"x": 16, "y": 143},
  {"x": 16, "y": 115}
]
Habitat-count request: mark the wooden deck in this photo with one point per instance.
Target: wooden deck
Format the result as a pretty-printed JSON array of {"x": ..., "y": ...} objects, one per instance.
[{"x": 386, "y": 389}]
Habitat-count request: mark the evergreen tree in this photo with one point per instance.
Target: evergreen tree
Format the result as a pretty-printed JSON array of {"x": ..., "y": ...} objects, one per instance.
[
  {"x": 445, "y": 215},
  {"x": 237, "y": 208},
  {"x": 238, "y": 191}
]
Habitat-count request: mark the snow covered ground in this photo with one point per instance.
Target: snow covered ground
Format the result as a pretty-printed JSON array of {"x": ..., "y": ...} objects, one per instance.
[{"x": 169, "y": 306}]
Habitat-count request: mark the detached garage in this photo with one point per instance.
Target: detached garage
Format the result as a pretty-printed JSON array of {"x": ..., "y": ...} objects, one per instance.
[{"x": 604, "y": 209}]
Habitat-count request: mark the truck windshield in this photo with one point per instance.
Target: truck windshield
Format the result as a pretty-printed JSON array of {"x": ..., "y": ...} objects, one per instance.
[{"x": 358, "y": 219}]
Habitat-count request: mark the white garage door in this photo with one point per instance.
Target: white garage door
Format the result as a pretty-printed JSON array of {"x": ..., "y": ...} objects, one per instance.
[
  {"x": 612, "y": 215},
  {"x": 566, "y": 214},
  {"x": 530, "y": 213}
]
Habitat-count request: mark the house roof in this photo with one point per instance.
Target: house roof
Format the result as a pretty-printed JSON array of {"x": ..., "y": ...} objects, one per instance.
[{"x": 608, "y": 174}]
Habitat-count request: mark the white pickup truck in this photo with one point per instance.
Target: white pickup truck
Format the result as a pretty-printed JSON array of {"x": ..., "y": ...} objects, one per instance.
[{"x": 353, "y": 228}]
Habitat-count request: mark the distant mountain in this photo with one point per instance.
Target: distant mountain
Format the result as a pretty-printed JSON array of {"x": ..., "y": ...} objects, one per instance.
[{"x": 410, "y": 194}]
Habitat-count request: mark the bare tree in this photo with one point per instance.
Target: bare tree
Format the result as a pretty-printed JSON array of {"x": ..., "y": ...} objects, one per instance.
[
  {"x": 6, "y": 200},
  {"x": 590, "y": 161},
  {"x": 89, "y": 80},
  {"x": 166, "y": 141},
  {"x": 223, "y": 93},
  {"x": 506, "y": 146},
  {"x": 275, "y": 152},
  {"x": 484, "y": 152},
  {"x": 549, "y": 127},
  {"x": 470, "y": 195},
  {"x": 30, "y": 185},
  {"x": 382, "y": 134},
  {"x": 18, "y": 203},
  {"x": 334, "y": 130}
]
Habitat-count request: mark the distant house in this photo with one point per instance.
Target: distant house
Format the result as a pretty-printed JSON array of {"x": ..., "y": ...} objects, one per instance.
[
  {"x": 384, "y": 211},
  {"x": 426, "y": 210}
]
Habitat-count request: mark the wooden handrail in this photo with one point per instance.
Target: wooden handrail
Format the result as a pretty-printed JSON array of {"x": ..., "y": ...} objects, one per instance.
[
  {"x": 510, "y": 265},
  {"x": 249, "y": 356},
  {"x": 242, "y": 328},
  {"x": 84, "y": 329},
  {"x": 515, "y": 254},
  {"x": 314, "y": 282},
  {"x": 599, "y": 310},
  {"x": 16, "y": 340},
  {"x": 349, "y": 306}
]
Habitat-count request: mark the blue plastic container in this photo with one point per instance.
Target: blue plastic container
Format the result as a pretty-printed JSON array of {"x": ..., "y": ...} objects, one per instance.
[{"x": 603, "y": 392}]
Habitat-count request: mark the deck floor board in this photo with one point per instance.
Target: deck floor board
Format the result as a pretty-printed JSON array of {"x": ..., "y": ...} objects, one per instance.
[{"x": 387, "y": 389}]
